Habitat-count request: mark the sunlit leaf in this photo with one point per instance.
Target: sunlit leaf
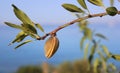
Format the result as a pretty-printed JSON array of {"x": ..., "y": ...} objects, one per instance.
[
  {"x": 112, "y": 66},
  {"x": 96, "y": 2},
  {"x": 22, "y": 16},
  {"x": 82, "y": 3},
  {"x": 111, "y": 2},
  {"x": 112, "y": 11},
  {"x": 83, "y": 24},
  {"x": 86, "y": 51},
  {"x": 105, "y": 50},
  {"x": 100, "y": 35},
  {"x": 25, "y": 42},
  {"x": 88, "y": 33},
  {"x": 40, "y": 27},
  {"x": 13, "y": 25},
  {"x": 116, "y": 57},
  {"x": 72, "y": 8},
  {"x": 82, "y": 42},
  {"x": 104, "y": 65},
  {"x": 95, "y": 65},
  {"x": 21, "y": 35}
]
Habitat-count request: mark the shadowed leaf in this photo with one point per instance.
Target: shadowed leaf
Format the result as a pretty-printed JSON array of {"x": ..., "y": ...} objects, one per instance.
[
  {"x": 39, "y": 27},
  {"x": 21, "y": 35},
  {"x": 96, "y": 2},
  {"x": 13, "y": 25},
  {"x": 72, "y": 8},
  {"x": 101, "y": 36},
  {"x": 95, "y": 65},
  {"x": 25, "y": 42},
  {"x": 116, "y": 57}
]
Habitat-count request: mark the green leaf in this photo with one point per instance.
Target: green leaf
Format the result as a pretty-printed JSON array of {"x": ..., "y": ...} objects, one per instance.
[
  {"x": 88, "y": 33},
  {"x": 82, "y": 42},
  {"x": 116, "y": 57},
  {"x": 101, "y": 36},
  {"x": 72, "y": 8},
  {"x": 112, "y": 11},
  {"x": 86, "y": 51},
  {"x": 22, "y": 16},
  {"x": 39, "y": 27},
  {"x": 105, "y": 50},
  {"x": 96, "y": 2},
  {"x": 82, "y": 3},
  {"x": 112, "y": 66},
  {"x": 25, "y": 42},
  {"x": 13, "y": 25},
  {"x": 111, "y": 2},
  {"x": 95, "y": 65},
  {"x": 93, "y": 49},
  {"x": 21, "y": 35},
  {"x": 104, "y": 65},
  {"x": 30, "y": 29},
  {"x": 83, "y": 24}
]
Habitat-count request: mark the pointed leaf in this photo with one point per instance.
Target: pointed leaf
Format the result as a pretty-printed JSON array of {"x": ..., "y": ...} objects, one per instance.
[
  {"x": 40, "y": 27},
  {"x": 92, "y": 52},
  {"x": 25, "y": 42},
  {"x": 96, "y": 2},
  {"x": 82, "y": 42},
  {"x": 101, "y": 36},
  {"x": 112, "y": 11},
  {"x": 105, "y": 50},
  {"x": 72, "y": 8},
  {"x": 95, "y": 65},
  {"x": 82, "y": 3},
  {"x": 86, "y": 51},
  {"x": 22, "y": 16},
  {"x": 116, "y": 57},
  {"x": 113, "y": 67},
  {"x": 13, "y": 25},
  {"x": 21, "y": 35}
]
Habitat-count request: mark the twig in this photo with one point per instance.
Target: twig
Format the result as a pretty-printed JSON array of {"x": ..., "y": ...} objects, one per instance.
[{"x": 72, "y": 22}]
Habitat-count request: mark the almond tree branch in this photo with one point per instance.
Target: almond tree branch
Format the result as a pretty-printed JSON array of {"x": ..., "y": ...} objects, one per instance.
[{"x": 71, "y": 23}]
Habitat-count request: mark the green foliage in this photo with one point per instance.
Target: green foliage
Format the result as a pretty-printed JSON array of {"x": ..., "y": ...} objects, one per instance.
[
  {"x": 13, "y": 25},
  {"x": 101, "y": 36},
  {"x": 116, "y": 57},
  {"x": 22, "y": 16},
  {"x": 112, "y": 11},
  {"x": 39, "y": 27},
  {"x": 82, "y": 3},
  {"x": 25, "y": 42},
  {"x": 96, "y": 2},
  {"x": 21, "y": 35},
  {"x": 111, "y": 3},
  {"x": 29, "y": 69},
  {"x": 72, "y": 8}
]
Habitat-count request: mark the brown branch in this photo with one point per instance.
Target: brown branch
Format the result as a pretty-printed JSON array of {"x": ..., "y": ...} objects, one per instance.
[{"x": 72, "y": 22}]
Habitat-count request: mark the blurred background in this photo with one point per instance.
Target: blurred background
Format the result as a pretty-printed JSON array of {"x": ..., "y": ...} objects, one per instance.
[{"x": 50, "y": 15}]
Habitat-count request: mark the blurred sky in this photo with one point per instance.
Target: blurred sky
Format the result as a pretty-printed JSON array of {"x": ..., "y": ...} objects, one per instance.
[{"x": 49, "y": 11}]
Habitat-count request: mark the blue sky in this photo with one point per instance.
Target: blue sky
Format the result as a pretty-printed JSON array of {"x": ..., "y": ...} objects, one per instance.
[{"x": 48, "y": 12}]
